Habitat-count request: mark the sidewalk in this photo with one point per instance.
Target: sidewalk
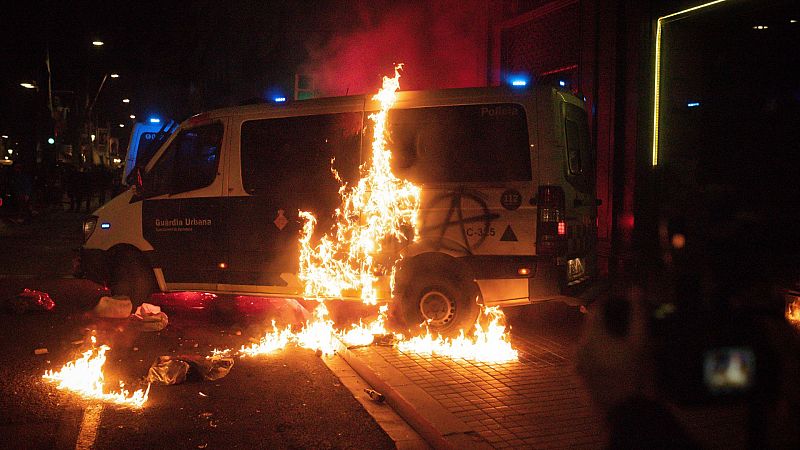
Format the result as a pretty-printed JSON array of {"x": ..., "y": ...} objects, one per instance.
[{"x": 536, "y": 402}]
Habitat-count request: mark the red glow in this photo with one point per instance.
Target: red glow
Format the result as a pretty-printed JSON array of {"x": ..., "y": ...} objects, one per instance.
[
  {"x": 562, "y": 228},
  {"x": 442, "y": 44}
]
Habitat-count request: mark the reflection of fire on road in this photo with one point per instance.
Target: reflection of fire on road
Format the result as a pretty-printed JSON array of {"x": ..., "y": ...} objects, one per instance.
[
  {"x": 380, "y": 209},
  {"x": 84, "y": 376},
  {"x": 793, "y": 313}
]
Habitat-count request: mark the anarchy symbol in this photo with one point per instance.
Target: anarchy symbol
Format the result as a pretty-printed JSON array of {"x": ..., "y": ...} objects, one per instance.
[{"x": 457, "y": 202}]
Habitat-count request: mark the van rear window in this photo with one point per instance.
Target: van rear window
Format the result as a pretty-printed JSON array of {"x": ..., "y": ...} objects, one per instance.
[{"x": 466, "y": 143}]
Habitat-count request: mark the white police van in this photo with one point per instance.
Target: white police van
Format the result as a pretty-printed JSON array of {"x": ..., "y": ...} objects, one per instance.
[{"x": 508, "y": 212}]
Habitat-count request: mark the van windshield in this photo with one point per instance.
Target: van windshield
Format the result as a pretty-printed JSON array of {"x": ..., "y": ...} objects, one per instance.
[{"x": 466, "y": 143}]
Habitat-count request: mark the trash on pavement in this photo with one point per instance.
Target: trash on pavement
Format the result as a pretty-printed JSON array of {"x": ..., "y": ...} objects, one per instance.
[
  {"x": 116, "y": 307},
  {"x": 168, "y": 370},
  {"x": 375, "y": 395},
  {"x": 40, "y": 351},
  {"x": 30, "y": 300},
  {"x": 151, "y": 317},
  {"x": 177, "y": 369}
]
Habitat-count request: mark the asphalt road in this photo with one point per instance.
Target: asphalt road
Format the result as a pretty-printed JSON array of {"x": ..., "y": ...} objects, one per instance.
[{"x": 289, "y": 400}]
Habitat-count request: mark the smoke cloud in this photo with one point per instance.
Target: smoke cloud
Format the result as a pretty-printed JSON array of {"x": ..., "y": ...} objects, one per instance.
[{"x": 443, "y": 44}]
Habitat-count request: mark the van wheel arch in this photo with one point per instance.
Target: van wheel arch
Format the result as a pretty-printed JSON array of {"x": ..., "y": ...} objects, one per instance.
[{"x": 438, "y": 289}]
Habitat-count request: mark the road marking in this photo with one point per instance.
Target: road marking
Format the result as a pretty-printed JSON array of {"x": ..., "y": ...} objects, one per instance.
[{"x": 89, "y": 425}]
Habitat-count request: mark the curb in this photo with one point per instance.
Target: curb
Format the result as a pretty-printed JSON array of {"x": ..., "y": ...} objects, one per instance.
[{"x": 435, "y": 424}]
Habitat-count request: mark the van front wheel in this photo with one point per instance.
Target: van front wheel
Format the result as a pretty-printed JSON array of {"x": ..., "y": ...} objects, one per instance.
[
  {"x": 446, "y": 305},
  {"x": 131, "y": 276}
]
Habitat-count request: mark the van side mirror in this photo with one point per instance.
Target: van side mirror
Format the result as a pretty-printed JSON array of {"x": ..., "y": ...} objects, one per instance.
[{"x": 137, "y": 184}]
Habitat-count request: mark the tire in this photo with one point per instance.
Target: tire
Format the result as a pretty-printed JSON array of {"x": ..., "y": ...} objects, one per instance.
[
  {"x": 131, "y": 276},
  {"x": 447, "y": 303}
]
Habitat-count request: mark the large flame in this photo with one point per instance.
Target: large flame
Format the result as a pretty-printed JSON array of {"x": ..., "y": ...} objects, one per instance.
[
  {"x": 380, "y": 207},
  {"x": 84, "y": 376}
]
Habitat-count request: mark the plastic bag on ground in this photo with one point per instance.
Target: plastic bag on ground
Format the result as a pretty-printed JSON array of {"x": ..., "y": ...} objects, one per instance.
[
  {"x": 151, "y": 317},
  {"x": 177, "y": 369},
  {"x": 168, "y": 370},
  {"x": 30, "y": 300},
  {"x": 116, "y": 307}
]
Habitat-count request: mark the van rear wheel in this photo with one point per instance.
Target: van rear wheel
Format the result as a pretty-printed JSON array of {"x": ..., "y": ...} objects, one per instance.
[
  {"x": 131, "y": 276},
  {"x": 446, "y": 304}
]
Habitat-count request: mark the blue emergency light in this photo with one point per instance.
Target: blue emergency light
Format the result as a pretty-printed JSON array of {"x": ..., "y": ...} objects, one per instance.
[
  {"x": 519, "y": 82},
  {"x": 693, "y": 104},
  {"x": 155, "y": 120},
  {"x": 279, "y": 99}
]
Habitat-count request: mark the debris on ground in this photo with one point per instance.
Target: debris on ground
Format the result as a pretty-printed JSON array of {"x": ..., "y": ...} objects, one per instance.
[
  {"x": 116, "y": 307},
  {"x": 375, "y": 395},
  {"x": 30, "y": 300},
  {"x": 151, "y": 317},
  {"x": 169, "y": 370}
]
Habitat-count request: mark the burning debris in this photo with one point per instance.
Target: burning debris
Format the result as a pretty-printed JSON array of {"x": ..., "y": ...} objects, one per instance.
[{"x": 84, "y": 377}]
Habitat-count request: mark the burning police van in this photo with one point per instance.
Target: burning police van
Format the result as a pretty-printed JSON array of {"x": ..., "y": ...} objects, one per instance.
[{"x": 507, "y": 211}]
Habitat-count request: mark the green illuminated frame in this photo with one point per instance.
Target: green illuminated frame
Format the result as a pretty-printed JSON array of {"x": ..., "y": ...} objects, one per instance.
[{"x": 657, "y": 69}]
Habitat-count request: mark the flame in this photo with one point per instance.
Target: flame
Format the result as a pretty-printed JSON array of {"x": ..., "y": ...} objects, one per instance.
[
  {"x": 793, "y": 313},
  {"x": 489, "y": 344},
  {"x": 380, "y": 208},
  {"x": 84, "y": 376}
]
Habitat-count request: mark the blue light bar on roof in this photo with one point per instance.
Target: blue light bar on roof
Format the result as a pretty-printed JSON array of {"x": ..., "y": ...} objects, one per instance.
[
  {"x": 693, "y": 104},
  {"x": 519, "y": 82},
  {"x": 155, "y": 120},
  {"x": 279, "y": 99}
]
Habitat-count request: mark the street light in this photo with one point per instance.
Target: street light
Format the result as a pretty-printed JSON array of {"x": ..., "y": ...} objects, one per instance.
[
  {"x": 27, "y": 85},
  {"x": 132, "y": 116},
  {"x": 5, "y": 136},
  {"x": 114, "y": 75},
  {"x": 122, "y": 125},
  {"x": 98, "y": 43},
  {"x": 126, "y": 100}
]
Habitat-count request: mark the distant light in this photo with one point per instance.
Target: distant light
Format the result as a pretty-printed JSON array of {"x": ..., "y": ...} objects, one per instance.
[
  {"x": 519, "y": 82},
  {"x": 98, "y": 43},
  {"x": 11, "y": 151},
  {"x": 280, "y": 99},
  {"x": 93, "y": 136},
  {"x": 760, "y": 27},
  {"x": 27, "y": 85},
  {"x": 51, "y": 141},
  {"x": 792, "y": 21},
  {"x": 114, "y": 75},
  {"x": 693, "y": 104},
  {"x": 562, "y": 83},
  {"x": 132, "y": 116},
  {"x": 126, "y": 100},
  {"x": 155, "y": 120},
  {"x": 117, "y": 160},
  {"x": 122, "y": 125},
  {"x": 5, "y": 136},
  {"x": 6, "y": 157},
  {"x": 105, "y": 225}
]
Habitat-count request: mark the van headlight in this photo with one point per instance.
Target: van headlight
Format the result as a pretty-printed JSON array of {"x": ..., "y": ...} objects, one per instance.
[{"x": 88, "y": 227}]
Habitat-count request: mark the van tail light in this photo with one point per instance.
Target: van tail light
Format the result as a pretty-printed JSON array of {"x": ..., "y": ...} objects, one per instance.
[{"x": 551, "y": 234}]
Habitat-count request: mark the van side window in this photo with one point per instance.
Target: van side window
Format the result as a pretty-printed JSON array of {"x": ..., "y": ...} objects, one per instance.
[
  {"x": 466, "y": 143},
  {"x": 189, "y": 163},
  {"x": 294, "y": 153}
]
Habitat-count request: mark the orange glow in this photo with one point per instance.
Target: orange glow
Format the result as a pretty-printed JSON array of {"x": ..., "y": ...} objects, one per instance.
[
  {"x": 793, "y": 313},
  {"x": 524, "y": 271},
  {"x": 84, "y": 376}
]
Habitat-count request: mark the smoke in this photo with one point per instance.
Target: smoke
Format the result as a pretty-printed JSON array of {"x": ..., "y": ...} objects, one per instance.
[{"x": 443, "y": 44}]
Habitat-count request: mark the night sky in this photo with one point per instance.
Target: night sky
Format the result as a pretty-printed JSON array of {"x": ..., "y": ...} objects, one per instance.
[{"x": 180, "y": 58}]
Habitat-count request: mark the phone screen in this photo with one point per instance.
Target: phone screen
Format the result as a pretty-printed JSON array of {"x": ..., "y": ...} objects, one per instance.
[{"x": 729, "y": 370}]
